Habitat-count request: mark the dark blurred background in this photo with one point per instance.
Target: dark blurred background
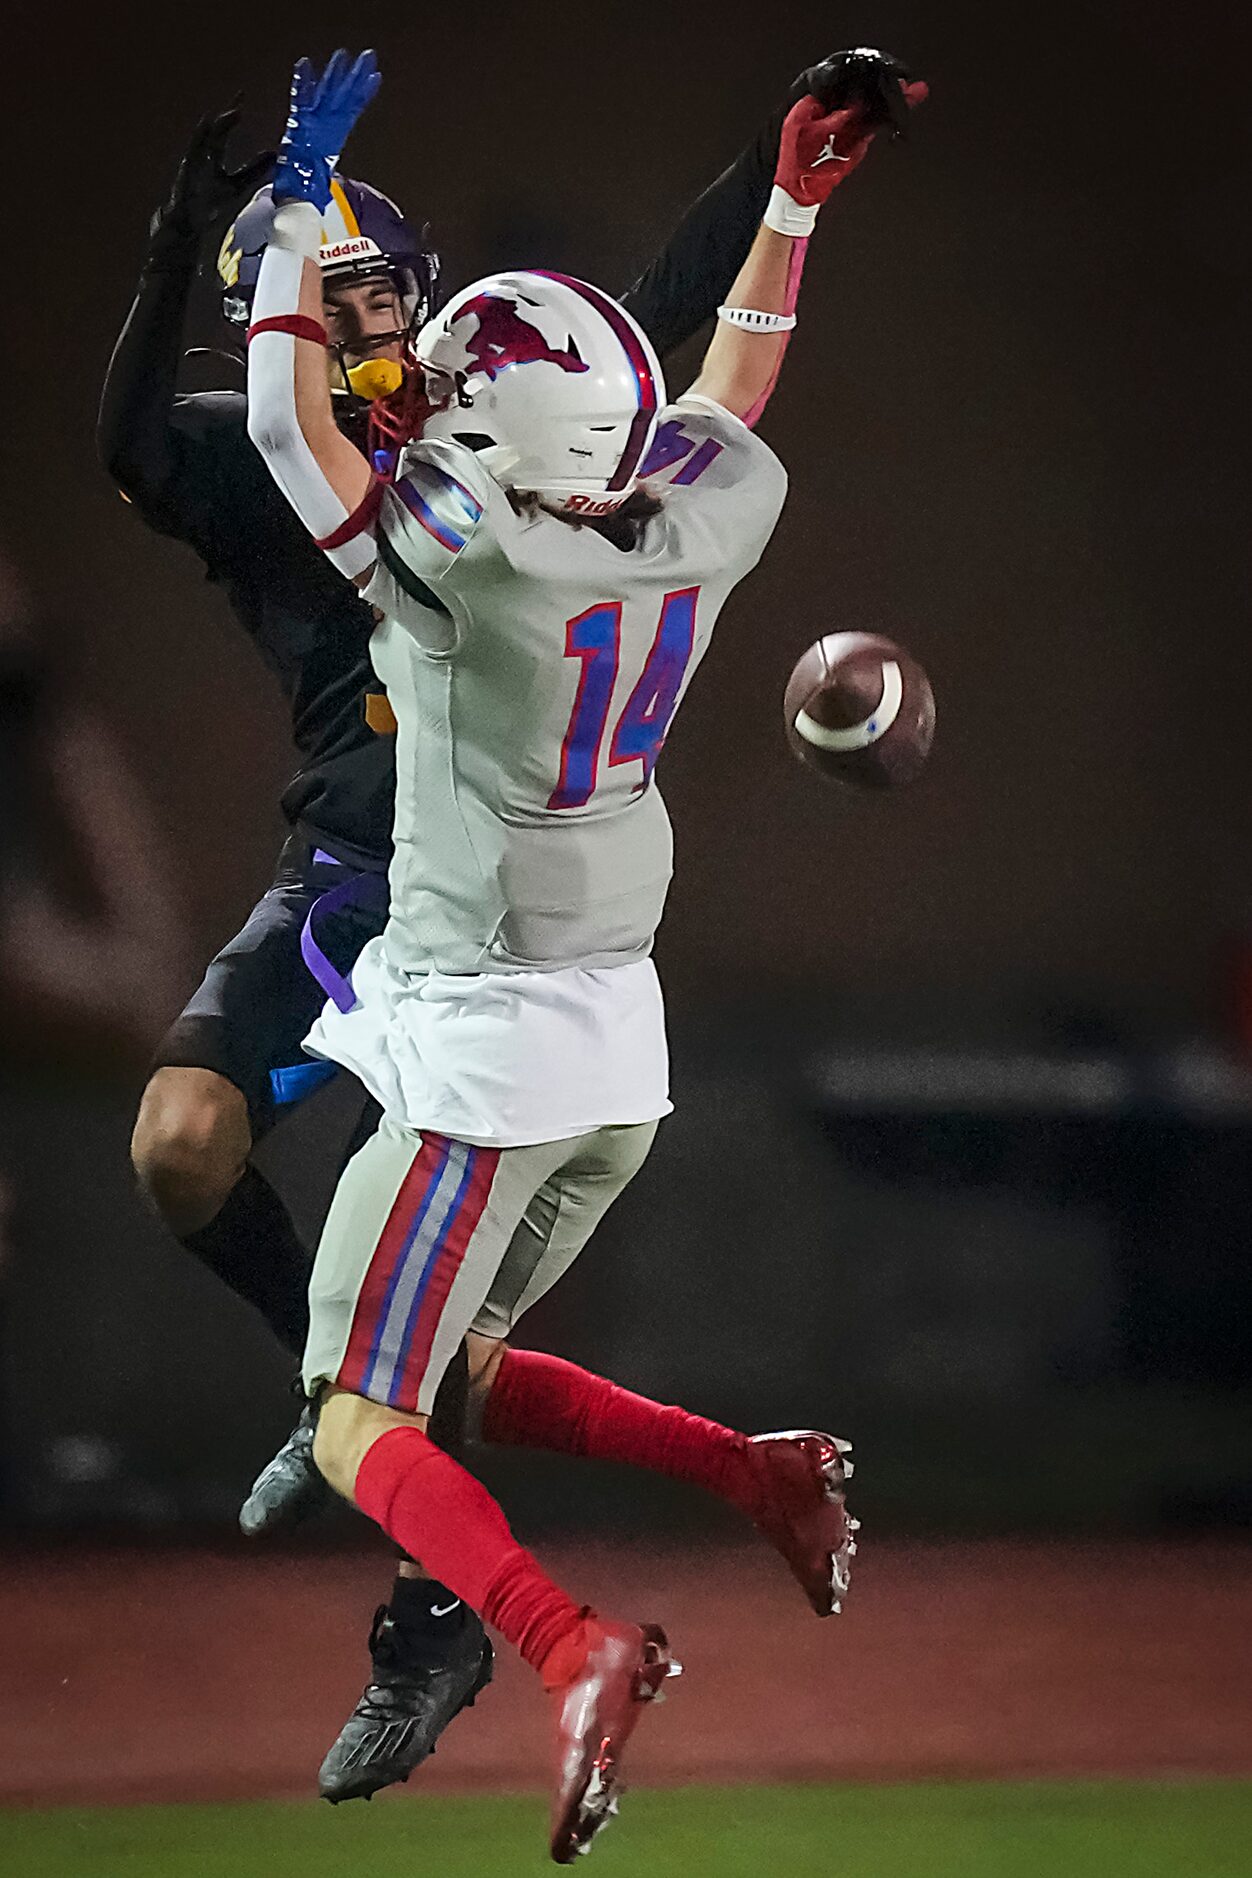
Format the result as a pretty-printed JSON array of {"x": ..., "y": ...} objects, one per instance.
[{"x": 960, "y": 1162}]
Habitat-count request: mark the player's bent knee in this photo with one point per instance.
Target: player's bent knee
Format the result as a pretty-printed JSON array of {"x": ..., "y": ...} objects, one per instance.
[
  {"x": 347, "y": 1428},
  {"x": 190, "y": 1145}
]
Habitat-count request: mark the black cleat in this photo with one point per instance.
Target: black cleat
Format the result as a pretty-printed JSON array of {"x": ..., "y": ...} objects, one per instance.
[
  {"x": 421, "y": 1681},
  {"x": 289, "y": 1487}
]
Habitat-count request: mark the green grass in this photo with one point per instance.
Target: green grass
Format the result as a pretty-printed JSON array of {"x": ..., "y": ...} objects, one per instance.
[{"x": 1045, "y": 1830}]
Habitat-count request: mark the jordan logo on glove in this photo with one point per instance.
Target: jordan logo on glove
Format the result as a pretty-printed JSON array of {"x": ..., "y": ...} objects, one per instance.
[{"x": 822, "y": 143}]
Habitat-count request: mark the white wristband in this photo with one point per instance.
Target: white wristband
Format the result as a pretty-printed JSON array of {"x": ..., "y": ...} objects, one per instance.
[
  {"x": 754, "y": 322},
  {"x": 786, "y": 216},
  {"x": 298, "y": 228}
]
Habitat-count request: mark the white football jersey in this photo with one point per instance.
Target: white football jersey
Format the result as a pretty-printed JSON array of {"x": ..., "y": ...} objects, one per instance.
[{"x": 534, "y": 670}]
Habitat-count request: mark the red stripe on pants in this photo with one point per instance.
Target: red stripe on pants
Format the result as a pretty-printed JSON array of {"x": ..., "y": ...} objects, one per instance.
[
  {"x": 456, "y": 1237},
  {"x": 372, "y": 1297}
]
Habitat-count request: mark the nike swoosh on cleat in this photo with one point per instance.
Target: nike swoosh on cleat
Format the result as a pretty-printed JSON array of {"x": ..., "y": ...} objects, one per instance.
[{"x": 441, "y": 1610}]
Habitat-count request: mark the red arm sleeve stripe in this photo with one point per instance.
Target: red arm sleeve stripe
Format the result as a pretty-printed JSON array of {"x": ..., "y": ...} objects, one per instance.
[
  {"x": 361, "y": 518},
  {"x": 299, "y": 325}
]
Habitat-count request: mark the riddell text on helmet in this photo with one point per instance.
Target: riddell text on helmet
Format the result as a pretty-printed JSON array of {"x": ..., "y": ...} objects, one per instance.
[
  {"x": 344, "y": 250},
  {"x": 591, "y": 505}
]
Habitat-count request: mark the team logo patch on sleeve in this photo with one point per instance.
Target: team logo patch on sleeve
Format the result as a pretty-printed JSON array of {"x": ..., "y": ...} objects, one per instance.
[{"x": 444, "y": 507}]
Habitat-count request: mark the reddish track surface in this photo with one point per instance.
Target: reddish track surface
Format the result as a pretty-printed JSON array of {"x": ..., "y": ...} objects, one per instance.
[{"x": 171, "y": 1675}]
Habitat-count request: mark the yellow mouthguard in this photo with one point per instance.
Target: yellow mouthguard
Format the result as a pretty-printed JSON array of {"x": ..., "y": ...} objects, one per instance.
[{"x": 377, "y": 378}]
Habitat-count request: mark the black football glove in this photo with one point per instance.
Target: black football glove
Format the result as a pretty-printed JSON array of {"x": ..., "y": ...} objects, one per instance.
[
  {"x": 204, "y": 189},
  {"x": 872, "y": 81}
]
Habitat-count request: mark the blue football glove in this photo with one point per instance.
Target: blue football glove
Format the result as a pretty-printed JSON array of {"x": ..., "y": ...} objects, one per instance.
[{"x": 323, "y": 111}]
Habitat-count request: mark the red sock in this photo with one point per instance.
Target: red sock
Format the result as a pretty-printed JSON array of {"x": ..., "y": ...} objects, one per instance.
[
  {"x": 542, "y": 1401},
  {"x": 440, "y": 1514}
]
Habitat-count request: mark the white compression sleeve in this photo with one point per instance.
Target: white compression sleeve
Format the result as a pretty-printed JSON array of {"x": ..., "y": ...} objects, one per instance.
[{"x": 273, "y": 424}]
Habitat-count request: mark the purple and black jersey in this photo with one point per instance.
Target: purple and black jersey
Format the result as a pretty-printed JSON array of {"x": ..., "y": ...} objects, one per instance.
[
  {"x": 309, "y": 625},
  {"x": 189, "y": 468}
]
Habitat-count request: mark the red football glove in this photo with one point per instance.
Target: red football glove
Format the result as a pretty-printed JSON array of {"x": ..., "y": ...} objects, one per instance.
[{"x": 818, "y": 148}]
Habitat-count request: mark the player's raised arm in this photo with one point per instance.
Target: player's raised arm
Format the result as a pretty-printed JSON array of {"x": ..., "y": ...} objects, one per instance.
[
  {"x": 140, "y": 446},
  {"x": 682, "y": 287},
  {"x": 290, "y": 420},
  {"x": 818, "y": 149}
]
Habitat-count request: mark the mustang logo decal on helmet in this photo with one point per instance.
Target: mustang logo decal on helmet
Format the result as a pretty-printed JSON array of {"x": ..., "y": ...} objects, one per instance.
[{"x": 506, "y": 337}]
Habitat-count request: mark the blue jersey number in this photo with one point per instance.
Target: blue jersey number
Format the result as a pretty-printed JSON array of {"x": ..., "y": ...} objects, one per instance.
[
  {"x": 644, "y": 724},
  {"x": 595, "y": 638}
]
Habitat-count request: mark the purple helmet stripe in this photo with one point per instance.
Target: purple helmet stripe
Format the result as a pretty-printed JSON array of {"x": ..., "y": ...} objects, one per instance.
[{"x": 638, "y": 359}]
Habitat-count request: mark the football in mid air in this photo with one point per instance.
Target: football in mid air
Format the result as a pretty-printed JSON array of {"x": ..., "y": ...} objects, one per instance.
[{"x": 859, "y": 710}]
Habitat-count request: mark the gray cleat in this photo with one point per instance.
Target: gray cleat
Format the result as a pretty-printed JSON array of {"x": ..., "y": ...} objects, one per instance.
[
  {"x": 417, "y": 1686},
  {"x": 289, "y": 1487}
]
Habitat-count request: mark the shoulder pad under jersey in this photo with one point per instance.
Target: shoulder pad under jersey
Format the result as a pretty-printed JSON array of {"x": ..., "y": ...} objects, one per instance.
[{"x": 439, "y": 501}]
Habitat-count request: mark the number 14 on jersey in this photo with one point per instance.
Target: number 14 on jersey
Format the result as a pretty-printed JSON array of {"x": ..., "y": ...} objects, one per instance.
[{"x": 595, "y": 638}]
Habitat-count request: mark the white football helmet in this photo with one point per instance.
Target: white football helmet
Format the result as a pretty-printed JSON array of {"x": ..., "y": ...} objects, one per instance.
[{"x": 575, "y": 432}]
